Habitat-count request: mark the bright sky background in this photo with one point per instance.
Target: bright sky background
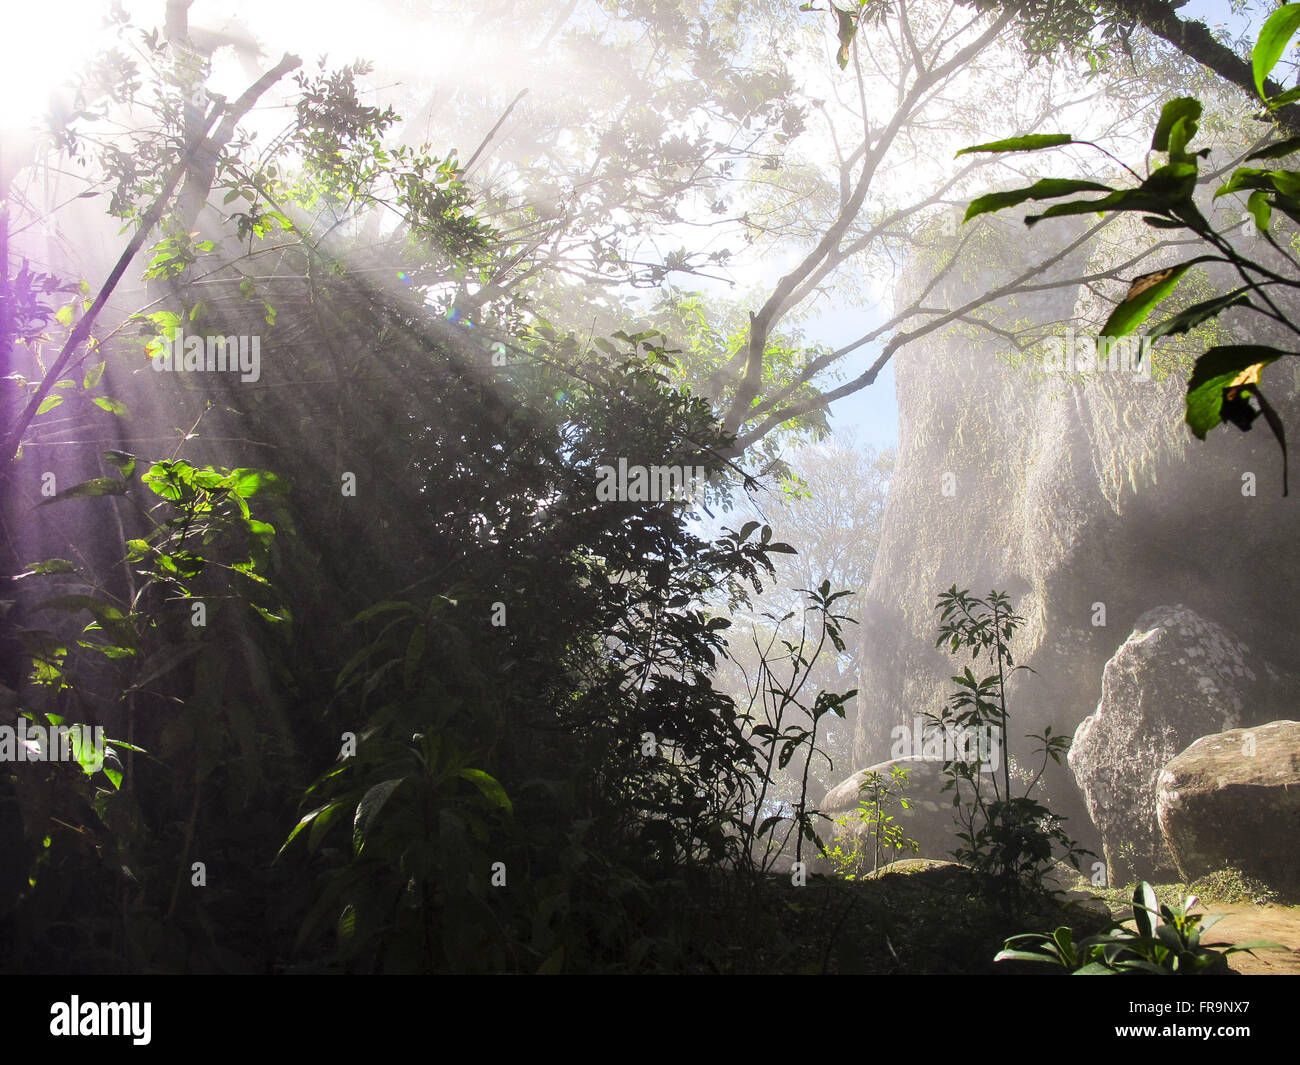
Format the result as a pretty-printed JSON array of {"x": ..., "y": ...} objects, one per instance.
[{"x": 402, "y": 52}]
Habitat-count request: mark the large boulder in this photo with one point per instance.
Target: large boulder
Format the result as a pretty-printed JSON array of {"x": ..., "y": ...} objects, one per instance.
[
  {"x": 1234, "y": 799},
  {"x": 1178, "y": 676}
]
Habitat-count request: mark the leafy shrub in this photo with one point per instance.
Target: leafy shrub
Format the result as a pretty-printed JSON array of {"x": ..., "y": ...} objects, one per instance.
[
  {"x": 1170, "y": 945},
  {"x": 1007, "y": 838},
  {"x": 1232, "y": 885},
  {"x": 884, "y": 834}
]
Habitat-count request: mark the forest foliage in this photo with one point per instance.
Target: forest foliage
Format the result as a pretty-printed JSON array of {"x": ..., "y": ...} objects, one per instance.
[{"x": 387, "y": 688}]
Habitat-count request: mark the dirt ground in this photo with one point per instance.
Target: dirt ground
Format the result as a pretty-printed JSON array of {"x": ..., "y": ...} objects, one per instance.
[{"x": 1245, "y": 921}]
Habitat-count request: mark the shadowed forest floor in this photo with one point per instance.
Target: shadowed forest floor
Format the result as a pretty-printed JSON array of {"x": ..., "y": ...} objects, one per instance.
[{"x": 927, "y": 917}]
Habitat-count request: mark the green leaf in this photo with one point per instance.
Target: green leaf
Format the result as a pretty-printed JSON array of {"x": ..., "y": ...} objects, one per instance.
[
  {"x": 1194, "y": 315},
  {"x": 49, "y": 566},
  {"x": 1184, "y": 109},
  {"x": 1123, "y": 200},
  {"x": 1286, "y": 182},
  {"x": 1032, "y": 142},
  {"x": 846, "y": 29},
  {"x": 347, "y": 927},
  {"x": 1172, "y": 184},
  {"x": 1260, "y": 210},
  {"x": 327, "y": 816},
  {"x": 1282, "y": 99},
  {"x": 248, "y": 482},
  {"x": 261, "y": 531},
  {"x": 113, "y": 406},
  {"x": 92, "y": 376},
  {"x": 368, "y": 809},
  {"x": 490, "y": 787},
  {"x": 1046, "y": 189},
  {"x": 166, "y": 321},
  {"x": 123, "y": 461},
  {"x": 384, "y": 607},
  {"x": 49, "y": 403},
  {"x": 96, "y": 486},
  {"x": 1254, "y": 944},
  {"x": 1144, "y": 904},
  {"x": 306, "y": 820},
  {"x": 83, "y": 750},
  {"x": 1273, "y": 39},
  {"x": 1217, "y": 370},
  {"x": 1244, "y": 177},
  {"x": 1277, "y": 151},
  {"x": 1143, "y": 294}
]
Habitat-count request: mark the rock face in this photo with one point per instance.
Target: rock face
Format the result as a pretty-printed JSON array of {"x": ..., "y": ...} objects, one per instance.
[
  {"x": 929, "y": 821},
  {"x": 1084, "y": 497},
  {"x": 1177, "y": 677},
  {"x": 1234, "y": 799}
]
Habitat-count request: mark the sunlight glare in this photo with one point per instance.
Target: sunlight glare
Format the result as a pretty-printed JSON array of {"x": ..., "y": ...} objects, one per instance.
[{"x": 41, "y": 45}]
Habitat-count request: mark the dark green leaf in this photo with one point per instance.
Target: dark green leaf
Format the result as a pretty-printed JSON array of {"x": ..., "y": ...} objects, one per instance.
[
  {"x": 490, "y": 787},
  {"x": 1046, "y": 189},
  {"x": 49, "y": 566},
  {"x": 123, "y": 461},
  {"x": 1277, "y": 151},
  {"x": 1123, "y": 200},
  {"x": 1186, "y": 109},
  {"x": 1143, "y": 294},
  {"x": 368, "y": 809},
  {"x": 1198, "y": 313},
  {"x": 96, "y": 486},
  {"x": 1282, "y": 99},
  {"x": 1244, "y": 177},
  {"x": 1217, "y": 370},
  {"x": 1032, "y": 142}
]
